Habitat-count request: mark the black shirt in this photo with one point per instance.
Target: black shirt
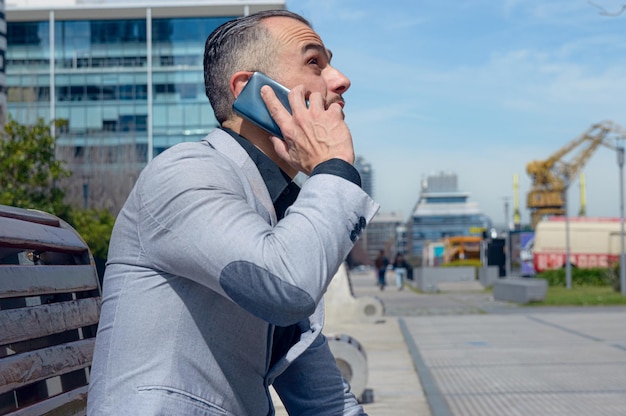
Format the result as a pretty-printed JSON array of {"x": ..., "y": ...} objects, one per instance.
[{"x": 282, "y": 189}]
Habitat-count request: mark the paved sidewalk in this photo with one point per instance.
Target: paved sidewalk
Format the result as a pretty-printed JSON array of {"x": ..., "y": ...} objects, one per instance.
[
  {"x": 570, "y": 364},
  {"x": 459, "y": 352},
  {"x": 391, "y": 377}
]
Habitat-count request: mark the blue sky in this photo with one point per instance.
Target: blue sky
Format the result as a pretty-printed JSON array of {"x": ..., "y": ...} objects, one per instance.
[{"x": 478, "y": 88}]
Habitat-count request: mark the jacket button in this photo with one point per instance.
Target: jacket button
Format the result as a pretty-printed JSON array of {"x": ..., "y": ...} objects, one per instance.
[
  {"x": 353, "y": 236},
  {"x": 362, "y": 222}
]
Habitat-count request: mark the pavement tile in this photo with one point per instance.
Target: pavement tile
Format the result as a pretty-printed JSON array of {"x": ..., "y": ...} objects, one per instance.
[{"x": 485, "y": 357}]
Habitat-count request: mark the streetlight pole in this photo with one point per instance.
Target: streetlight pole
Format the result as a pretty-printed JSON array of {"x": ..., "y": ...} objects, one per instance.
[
  {"x": 568, "y": 265},
  {"x": 85, "y": 191},
  {"x": 507, "y": 242},
  {"x": 622, "y": 262}
]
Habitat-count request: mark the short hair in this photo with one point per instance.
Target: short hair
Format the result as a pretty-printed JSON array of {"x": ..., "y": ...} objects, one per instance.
[{"x": 241, "y": 44}]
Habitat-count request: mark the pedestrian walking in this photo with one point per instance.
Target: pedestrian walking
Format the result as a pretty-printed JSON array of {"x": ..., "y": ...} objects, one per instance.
[
  {"x": 401, "y": 267},
  {"x": 381, "y": 267}
]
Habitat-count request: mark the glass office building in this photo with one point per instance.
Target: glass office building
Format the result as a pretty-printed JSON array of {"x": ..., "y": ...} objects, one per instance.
[
  {"x": 120, "y": 73},
  {"x": 367, "y": 174},
  {"x": 444, "y": 211}
]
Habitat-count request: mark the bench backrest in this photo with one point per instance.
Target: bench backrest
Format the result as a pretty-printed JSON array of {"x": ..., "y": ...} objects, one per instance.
[{"x": 49, "y": 311}]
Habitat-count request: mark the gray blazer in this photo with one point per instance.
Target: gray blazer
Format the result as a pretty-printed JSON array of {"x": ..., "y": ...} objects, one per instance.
[{"x": 199, "y": 274}]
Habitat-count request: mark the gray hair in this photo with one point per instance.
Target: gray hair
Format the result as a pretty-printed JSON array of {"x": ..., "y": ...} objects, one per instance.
[{"x": 242, "y": 44}]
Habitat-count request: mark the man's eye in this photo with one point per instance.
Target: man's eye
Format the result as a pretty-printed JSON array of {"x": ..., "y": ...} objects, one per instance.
[{"x": 313, "y": 61}]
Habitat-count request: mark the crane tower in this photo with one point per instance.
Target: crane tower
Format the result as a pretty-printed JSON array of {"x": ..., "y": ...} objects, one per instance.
[{"x": 551, "y": 177}]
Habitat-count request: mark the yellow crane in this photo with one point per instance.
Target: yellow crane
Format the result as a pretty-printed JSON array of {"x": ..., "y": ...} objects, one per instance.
[{"x": 551, "y": 177}]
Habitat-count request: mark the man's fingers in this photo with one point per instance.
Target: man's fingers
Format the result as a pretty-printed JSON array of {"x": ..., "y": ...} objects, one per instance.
[
  {"x": 281, "y": 147},
  {"x": 278, "y": 112},
  {"x": 313, "y": 134},
  {"x": 338, "y": 109}
]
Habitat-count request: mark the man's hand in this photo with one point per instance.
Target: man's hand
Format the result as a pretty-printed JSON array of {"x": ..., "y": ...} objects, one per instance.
[{"x": 313, "y": 134}]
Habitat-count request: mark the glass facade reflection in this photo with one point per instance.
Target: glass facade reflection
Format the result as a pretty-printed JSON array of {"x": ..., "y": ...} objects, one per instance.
[{"x": 102, "y": 82}]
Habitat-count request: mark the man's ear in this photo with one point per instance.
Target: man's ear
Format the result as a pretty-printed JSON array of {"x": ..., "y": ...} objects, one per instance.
[{"x": 238, "y": 81}]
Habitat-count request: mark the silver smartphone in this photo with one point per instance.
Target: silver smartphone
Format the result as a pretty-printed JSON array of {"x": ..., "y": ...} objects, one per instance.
[{"x": 250, "y": 105}]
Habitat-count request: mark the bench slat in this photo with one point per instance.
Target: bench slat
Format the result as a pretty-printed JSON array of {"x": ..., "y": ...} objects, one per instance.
[
  {"x": 31, "y": 326},
  {"x": 26, "y": 368},
  {"x": 40, "y": 280},
  {"x": 17, "y": 233},
  {"x": 29, "y": 215},
  {"x": 67, "y": 404},
  {"x": 37, "y": 321}
]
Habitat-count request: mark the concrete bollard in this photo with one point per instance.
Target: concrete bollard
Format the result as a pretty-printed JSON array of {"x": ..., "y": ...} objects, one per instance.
[
  {"x": 351, "y": 360},
  {"x": 341, "y": 306},
  {"x": 520, "y": 289}
]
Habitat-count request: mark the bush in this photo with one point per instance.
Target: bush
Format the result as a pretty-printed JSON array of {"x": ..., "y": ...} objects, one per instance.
[
  {"x": 580, "y": 277},
  {"x": 476, "y": 264},
  {"x": 463, "y": 263},
  {"x": 613, "y": 277},
  {"x": 95, "y": 227}
]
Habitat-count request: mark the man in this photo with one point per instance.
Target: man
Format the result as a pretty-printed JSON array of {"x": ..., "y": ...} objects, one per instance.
[
  {"x": 401, "y": 267},
  {"x": 381, "y": 267},
  {"x": 218, "y": 261}
]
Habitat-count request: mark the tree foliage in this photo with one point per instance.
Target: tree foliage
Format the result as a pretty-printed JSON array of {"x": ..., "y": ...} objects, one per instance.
[
  {"x": 30, "y": 177},
  {"x": 94, "y": 226},
  {"x": 30, "y": 169}
]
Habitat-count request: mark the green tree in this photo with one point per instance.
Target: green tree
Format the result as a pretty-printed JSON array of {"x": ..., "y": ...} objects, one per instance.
[
  {"x": 29, "y": 168},
  {"x": 29, "y": 174}
]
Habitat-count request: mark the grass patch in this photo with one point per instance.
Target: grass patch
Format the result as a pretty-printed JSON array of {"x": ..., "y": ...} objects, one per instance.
[{"x": 581, "y": 296}]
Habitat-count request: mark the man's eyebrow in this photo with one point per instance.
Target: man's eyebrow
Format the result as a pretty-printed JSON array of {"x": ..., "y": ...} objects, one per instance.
[{"x": 320, "y": 49}]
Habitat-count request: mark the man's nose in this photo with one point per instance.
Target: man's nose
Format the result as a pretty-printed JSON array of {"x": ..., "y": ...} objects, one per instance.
[{"x": 337, "y": 81}]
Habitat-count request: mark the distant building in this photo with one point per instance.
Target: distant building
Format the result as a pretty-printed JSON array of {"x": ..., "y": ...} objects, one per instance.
[
  {"x": 402, "y": 239},
  {"x": 367, "y": 175},
  {"x": 382, "y": 233},
  {"x": 443, "y": 211},
  {"x": 125, "y": 74}
]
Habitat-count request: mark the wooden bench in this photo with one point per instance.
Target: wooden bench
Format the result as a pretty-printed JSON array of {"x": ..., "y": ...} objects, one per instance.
[{"x": 49, "y": 311}]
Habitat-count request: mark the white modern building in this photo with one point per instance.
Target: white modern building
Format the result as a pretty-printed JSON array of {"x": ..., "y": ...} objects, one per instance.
[{"x": 444, "y": 211}]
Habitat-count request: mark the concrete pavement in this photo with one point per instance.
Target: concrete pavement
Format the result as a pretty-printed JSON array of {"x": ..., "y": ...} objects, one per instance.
[{"x": 459, "y": 352}]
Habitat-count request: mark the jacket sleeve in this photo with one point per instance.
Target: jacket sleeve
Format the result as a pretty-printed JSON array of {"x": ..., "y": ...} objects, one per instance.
[
  {"x": 197, "y": 220},
  {"x": 312, "y": 385}
]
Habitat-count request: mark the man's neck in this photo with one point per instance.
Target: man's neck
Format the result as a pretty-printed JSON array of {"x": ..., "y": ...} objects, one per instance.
[{"x": 261, "y": 140}]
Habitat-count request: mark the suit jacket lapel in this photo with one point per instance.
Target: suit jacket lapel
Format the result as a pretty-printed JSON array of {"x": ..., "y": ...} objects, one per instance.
[{"x": 222, "y": 142}]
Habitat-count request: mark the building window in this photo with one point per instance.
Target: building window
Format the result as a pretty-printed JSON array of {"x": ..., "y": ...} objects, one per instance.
[{"x": 109, "y": 125}]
